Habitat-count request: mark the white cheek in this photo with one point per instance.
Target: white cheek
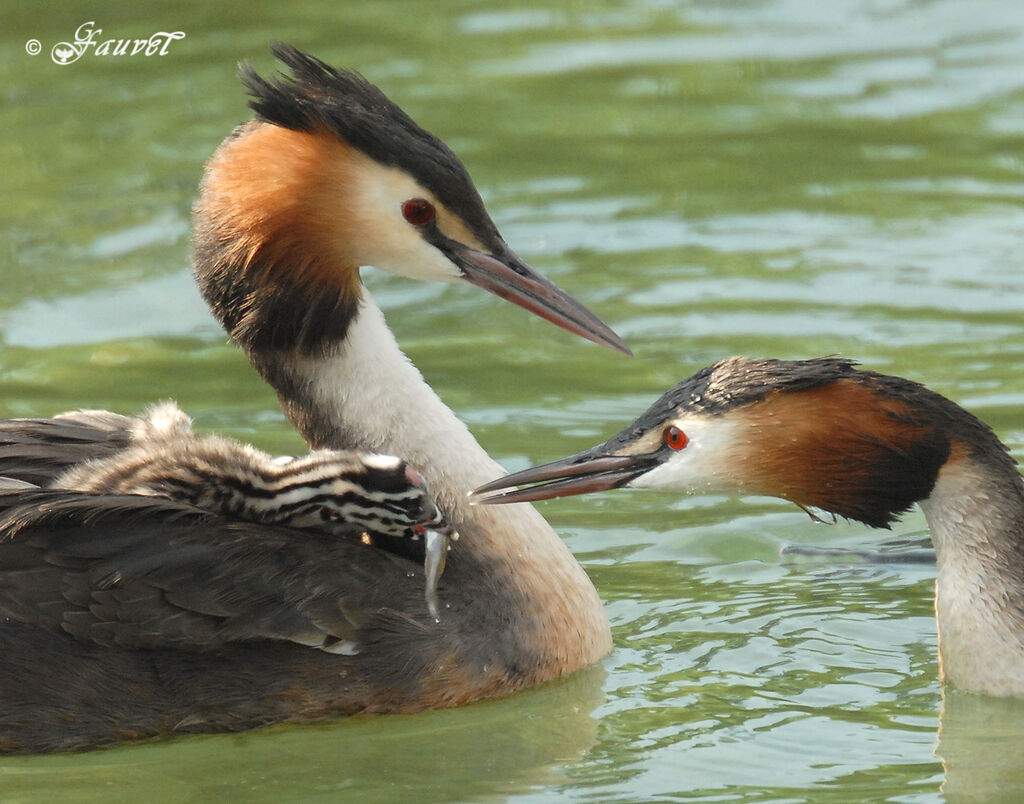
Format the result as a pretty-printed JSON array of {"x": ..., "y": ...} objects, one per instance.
[
  {"x": 702, "y": 466},
  {"x": 389, "y": 242},
  {"x": 413, "y": 257}
]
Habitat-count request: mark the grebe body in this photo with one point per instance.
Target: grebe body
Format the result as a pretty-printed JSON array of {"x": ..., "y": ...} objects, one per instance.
[{"x": 127, "y": 616}]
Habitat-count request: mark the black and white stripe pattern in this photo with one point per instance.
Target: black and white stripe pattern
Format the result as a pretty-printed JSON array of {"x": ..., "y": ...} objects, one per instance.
[{"x": 333, "y": 491}]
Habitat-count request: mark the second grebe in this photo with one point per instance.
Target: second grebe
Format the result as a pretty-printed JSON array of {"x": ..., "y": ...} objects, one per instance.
[
  {"x": 131, "y": 616},
  {"x": 855, "y": 443}
]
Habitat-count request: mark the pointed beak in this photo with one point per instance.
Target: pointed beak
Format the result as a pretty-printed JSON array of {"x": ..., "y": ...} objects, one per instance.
[
  {"x": 507, "y": 276},
  {"x": 582, "y": 473}
]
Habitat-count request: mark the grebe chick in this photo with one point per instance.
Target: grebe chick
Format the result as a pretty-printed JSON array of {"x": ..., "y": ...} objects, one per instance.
[
  {"x": 345, "y": 493},
  {"x": 128, "y": 616},
  {"x": 862, "y": 445}
]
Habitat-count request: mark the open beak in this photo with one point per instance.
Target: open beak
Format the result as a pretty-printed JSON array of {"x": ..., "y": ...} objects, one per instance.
[
  {"x": 578, "y": 474},
  {"x": 507, "y": 276}
]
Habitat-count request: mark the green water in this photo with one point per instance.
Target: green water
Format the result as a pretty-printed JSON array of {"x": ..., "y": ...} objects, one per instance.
[{"x": 770, "y": 177}]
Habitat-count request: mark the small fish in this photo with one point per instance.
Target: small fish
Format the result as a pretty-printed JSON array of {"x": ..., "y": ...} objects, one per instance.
[{"x": 437, "y": 539}]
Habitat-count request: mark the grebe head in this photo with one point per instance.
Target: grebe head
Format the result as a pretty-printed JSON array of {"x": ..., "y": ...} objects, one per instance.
[
  {"x": 331, "y": 175},
  {"x": 818, "y": 432}
]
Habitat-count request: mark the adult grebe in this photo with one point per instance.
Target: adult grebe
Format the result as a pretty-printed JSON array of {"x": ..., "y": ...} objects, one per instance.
[
  {"x": 131, "y": 616},
  {"x": 855, "y": 443}
]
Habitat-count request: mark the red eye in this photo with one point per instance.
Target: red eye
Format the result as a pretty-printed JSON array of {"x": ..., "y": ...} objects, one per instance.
[
  {"x": 674, "y": 437},
  {"x": 418, "y": 211}
]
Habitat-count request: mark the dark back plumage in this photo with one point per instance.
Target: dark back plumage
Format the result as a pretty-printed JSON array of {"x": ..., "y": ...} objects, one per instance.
[
  {"x": 214, "y": 622},
  {"x": 37, "y": 451}
]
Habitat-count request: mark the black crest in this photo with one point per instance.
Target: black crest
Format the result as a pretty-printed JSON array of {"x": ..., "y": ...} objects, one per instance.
[
  {"x": 317, "y": 95},
  {"x": 736, "y": 382}
]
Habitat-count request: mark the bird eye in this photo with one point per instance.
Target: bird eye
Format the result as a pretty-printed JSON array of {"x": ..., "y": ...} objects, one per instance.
[
  {"x": 674, "y": 437},
  {"x": 418, "y": 211}
]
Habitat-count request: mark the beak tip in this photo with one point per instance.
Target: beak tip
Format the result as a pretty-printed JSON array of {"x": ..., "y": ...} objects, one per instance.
[
  {"x": 486, "y": 493},
  {"x": 604, "y": 335},
  {"x": 506, "y": 275}
]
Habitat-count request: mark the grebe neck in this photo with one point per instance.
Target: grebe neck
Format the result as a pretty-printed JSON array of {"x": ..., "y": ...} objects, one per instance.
[
  {"x": 976, "y": 516},
  {"x": 365, "y": 393}
]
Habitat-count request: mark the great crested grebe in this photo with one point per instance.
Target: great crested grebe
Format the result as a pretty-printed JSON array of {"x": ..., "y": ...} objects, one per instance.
[
  {"x": 126, "y": 616},
  {"x": 861, "y": 445}
]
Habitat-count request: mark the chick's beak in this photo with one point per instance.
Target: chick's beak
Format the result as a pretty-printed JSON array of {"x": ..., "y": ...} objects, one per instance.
[
  {"x": 506, "y": 275},
  {"x": 582, "y": 473}
]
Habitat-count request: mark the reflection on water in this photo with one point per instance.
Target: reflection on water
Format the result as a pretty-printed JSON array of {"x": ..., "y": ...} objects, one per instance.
[
  {"x": 980, "y": 747},
  {"x": 775, "y": 178},
  {"x": 506, "y": 746}
]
